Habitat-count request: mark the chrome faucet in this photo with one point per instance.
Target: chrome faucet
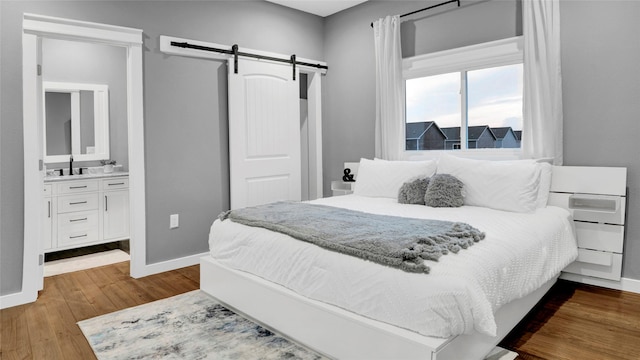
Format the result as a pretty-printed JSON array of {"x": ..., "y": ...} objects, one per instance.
[{"x": 71, "y": 165}]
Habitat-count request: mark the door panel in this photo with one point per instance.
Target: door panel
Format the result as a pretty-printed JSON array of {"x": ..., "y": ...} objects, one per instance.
[
  {"x": 264, "y": 133},
  {"x": 116, "y": 214}
]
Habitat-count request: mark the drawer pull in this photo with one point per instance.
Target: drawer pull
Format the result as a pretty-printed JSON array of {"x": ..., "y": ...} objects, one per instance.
[
  {"x": 49, "y": 206},
  {"x": 78, "y": 187},
  {"x": 78, "y": 203},
  {"x": 74, "y": 220},
  {"x": 77, "y": 236},
  {"x": 120, "y": 183},
  {"x": 106, "y": 203}
]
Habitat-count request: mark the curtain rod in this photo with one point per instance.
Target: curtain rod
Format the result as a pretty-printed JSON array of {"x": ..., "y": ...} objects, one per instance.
[
  {"x": 428, "y": 8},
  {"x": 234, "y": 51}
]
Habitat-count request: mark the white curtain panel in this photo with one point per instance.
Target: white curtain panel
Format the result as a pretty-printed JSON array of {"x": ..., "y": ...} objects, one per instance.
[
  {"x": 389, "y": 127},
  {"x": 542, "y": 109}
]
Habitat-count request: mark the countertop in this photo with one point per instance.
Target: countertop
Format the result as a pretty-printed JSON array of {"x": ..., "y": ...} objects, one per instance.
[{"x": 97, "y": 175}]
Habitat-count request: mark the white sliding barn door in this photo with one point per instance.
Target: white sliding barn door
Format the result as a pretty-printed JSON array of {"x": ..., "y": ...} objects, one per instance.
[{"x": 264, "y": 133}]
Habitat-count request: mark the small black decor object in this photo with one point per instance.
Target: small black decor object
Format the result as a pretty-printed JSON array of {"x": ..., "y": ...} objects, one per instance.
[{"x": 347, "y": 175}]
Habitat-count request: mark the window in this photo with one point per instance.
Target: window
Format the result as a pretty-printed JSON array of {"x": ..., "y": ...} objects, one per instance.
[{"x": 476, "y": 89}]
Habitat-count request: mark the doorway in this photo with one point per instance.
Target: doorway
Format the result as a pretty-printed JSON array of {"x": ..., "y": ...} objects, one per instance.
[
  {"x": 85, "y": 116},
  {"x": 311, "y": 135},
  {"x": 35, "y": 29}
]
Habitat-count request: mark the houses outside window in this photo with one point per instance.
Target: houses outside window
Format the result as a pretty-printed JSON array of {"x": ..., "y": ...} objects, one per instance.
[{"x": 465, "y": 99}]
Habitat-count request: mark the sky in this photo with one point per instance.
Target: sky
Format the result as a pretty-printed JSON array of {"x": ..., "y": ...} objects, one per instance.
[{"x": 494, "y": 98}]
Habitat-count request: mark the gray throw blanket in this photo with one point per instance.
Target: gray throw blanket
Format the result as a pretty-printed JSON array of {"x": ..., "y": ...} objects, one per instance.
[{"x": 388, "y": 240}]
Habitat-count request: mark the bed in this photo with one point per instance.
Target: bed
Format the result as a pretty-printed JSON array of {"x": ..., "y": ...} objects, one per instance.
[{"x": 350, "y": 308}]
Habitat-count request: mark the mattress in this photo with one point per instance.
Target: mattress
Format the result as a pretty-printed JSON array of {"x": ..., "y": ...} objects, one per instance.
[{"x": 521, "y": 251}]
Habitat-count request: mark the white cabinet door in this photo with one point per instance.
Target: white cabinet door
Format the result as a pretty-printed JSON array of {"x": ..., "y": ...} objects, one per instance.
[
  {"x": 47, "y": 229},
  {"x": 264, "y": 133},
  {"x": 116, "y": 215}
]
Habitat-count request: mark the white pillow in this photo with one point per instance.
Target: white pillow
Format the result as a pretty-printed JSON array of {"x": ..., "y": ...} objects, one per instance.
[
  {"x": 545, "y": 178},
  {"x": 501, "y": 185},
  {"x": 383, "y": 178},
  {"x": 545, "y": 184}
]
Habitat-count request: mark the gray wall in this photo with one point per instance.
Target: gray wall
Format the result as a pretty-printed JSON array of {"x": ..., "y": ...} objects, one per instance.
[
  {"x": 78, "y": 62},
  {"x": 185, "y": 99},
  {"x": 601, "y": 95},
  {"x": 601, "y": 81},
  {"x": 349, "y": 93},
  {"x": 185, "y": 103}
]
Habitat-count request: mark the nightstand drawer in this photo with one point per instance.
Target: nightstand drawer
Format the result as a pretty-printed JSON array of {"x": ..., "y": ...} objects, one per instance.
[
  {"x": 78, "y": 227},
  {"x": 604, "y": 237},
  {"x": 74, "y": 187},
  {"x": 342, "y": 187},
  {"x": 604, "y": 209},
  {"x": 598, "y": 208},
  {"x": 80, "y": 202},
  {"x": 595, "y": 257},
  {"x": 599, "y": 264}
]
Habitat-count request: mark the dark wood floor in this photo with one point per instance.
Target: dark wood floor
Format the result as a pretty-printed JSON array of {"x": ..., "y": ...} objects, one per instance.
[
  {"x": 47, "y": 328},
  {"x": 575, "y": 321},
  {"x": 572, "y": 322}
]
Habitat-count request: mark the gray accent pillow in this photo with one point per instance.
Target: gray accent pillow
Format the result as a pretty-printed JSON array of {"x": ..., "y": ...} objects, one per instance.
[
  {"x": 444, "y": 190},
  {"x": 413, "y": 192}
]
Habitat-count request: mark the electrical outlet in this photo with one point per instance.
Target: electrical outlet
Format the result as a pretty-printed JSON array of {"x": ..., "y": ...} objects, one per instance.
[{"x": 174, "y": 221}]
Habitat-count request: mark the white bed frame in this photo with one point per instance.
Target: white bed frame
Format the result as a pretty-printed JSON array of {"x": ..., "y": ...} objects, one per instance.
[{"x": 340, "y": 334}]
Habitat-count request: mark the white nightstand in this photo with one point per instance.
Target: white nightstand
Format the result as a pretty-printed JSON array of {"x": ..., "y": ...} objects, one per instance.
[
  {"x": 596, "y": 198},
  {"x": 340, "y": 187}
]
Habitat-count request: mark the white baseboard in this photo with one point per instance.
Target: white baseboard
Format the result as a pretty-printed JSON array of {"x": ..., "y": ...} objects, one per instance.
[
  {"x": 625, "y": 284},
  {"x": 169, "y": 265},
  {"x": 20, "y": 298},
  {"x": 631, "y": 285}
]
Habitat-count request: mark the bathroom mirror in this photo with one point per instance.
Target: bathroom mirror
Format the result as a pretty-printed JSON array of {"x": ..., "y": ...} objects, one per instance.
[{"x": 76, "y": 121}]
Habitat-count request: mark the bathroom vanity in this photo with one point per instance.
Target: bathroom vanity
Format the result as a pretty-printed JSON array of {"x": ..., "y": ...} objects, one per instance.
[{"x": 83, "y": 210}]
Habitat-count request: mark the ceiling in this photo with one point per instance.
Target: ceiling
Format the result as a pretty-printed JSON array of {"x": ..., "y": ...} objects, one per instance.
[{"x": 320, "y": 8}]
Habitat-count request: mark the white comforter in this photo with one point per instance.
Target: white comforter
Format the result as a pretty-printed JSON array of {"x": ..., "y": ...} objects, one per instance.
[{"x": 520, "y": 253}]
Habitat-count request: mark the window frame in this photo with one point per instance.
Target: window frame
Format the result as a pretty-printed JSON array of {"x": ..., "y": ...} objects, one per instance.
[{"x": 480, "y": 56}]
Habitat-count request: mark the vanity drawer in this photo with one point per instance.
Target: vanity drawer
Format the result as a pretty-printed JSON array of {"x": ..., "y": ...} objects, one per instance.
[
  {"x": 81, "y": 202},
  {"x": 74, "y": 187},
  {"x": 47, "y": 190},
  {"x": 115, "y": 183},
  {"x": 78, "y": 227}
]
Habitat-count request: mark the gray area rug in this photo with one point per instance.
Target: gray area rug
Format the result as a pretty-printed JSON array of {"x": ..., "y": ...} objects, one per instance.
[
  {"x": 192, "y": 326},
  {"x": 188, "y": 326}
]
